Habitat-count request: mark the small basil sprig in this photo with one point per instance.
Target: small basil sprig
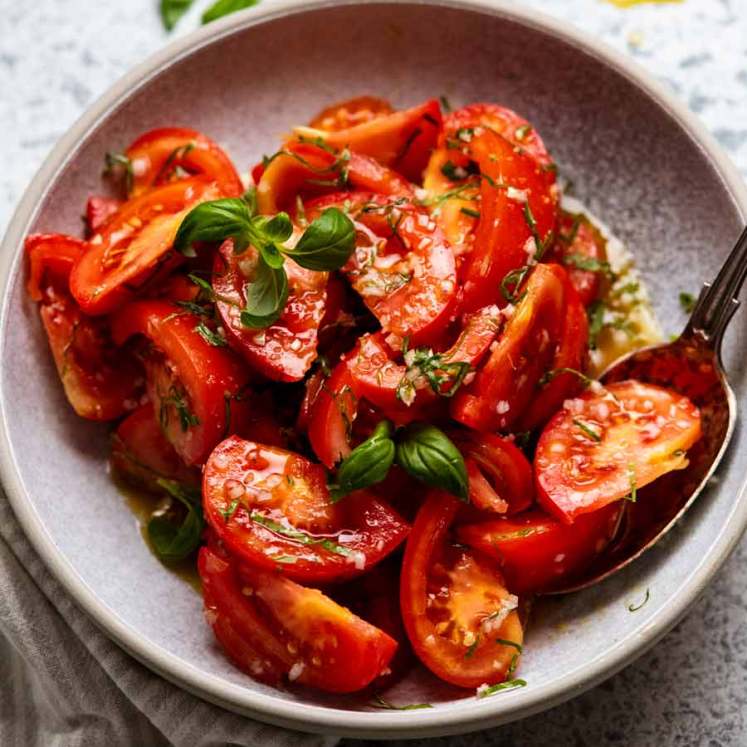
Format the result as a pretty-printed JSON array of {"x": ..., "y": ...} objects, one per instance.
[
  {"x": 422, "y": 450},
  {"x": 326, "y": 244},
  {"x": 171, "y": 541},
  {"x": 428, "y": 455},
  {"x": 367, "y": 464}
]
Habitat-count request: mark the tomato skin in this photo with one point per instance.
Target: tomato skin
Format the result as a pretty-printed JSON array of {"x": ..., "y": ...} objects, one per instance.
[
  {"x": 504, "y": 239},
  {"x": 537, "y": 552},
  {"x": 100, "y": 383},
  {"x": 571, "y": 352},
  {"x": 272, "y": 627},
  {"x": 331, "y": 416},
  {"x": 643, "y": 431},
  {"x": 285, "y": 350},
  {"x": 587, "y": 243},
  {"x": 503, "y": 386},
  {"x": 510, "y": 488},
  {"x": 488, "y": 662},
  {"x": 303, "y": 165},
  {"x": 51, "y": 258},
  {"x": 350, "y": 113},
  {"x": 209, "y": 376},
  {"x": 142, "y": 455},
  {"x": 402, "y": 140},
  {"x": 506, "y": 122},
  {"x": 406, "y": 277},
  {"x": 252, "y": 479},
  {"x": 99, "y": 210},
  {"x": 156, "y": 153},
  {"x": 133, "y": 244}
]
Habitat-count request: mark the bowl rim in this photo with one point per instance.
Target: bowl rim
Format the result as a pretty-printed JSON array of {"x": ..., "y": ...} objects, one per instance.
[{"x": 470, "y": 714}]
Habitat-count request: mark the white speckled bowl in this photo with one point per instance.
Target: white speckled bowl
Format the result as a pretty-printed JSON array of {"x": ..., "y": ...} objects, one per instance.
[{"x": 638, "y": 158}]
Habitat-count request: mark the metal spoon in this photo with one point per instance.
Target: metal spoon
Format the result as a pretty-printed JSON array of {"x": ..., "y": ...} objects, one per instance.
[{"x": 692, "y": 366}]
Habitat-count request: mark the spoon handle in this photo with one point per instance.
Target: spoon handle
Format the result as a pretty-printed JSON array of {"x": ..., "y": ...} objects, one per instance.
[{"x": 719, "y": 300}]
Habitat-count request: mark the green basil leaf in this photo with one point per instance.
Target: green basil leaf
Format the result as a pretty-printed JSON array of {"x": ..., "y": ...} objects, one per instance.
[
  {"x": 327, "y": 243},
  {"x": 250, "y": 198},
  {"x": 213, "y": 221},
  {"x": 266, "y": 296},
  {"x": 172, "y": 11},
  {"x": 429, "y": 456},
  {"x": 271, "y": 255},
  {"x": 274, "y": 230},
  {"x": 224, "y": 7},
  {"x": 367, "y": 464},
  {"x": 173, "y": 542}
]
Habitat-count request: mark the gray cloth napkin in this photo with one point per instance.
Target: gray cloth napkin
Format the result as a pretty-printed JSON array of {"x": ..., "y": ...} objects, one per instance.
[{"x": 63, "y": 683}]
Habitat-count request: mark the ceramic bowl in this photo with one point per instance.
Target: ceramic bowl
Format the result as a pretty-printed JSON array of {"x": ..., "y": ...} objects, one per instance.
[{"x": 639, "y": 160}]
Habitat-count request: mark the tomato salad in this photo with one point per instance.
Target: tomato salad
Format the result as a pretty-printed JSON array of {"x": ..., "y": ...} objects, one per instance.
[{"x": 360, "y": 386}]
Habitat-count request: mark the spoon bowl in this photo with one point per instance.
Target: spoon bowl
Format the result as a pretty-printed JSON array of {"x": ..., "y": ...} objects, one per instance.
[{"x": 691, "y": 365}]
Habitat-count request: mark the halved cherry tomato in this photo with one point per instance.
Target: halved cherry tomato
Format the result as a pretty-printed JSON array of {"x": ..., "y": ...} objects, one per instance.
[
  {"x": 272, "y": 627},
  {"x": 402, "y": 140},
  {"x": 198, "y": 390},
  {"x": 51, "y": 259},
  {"x": 536, "y": 552},
  {"x": 570, "y": 354},
  {"x": 518, "y": 200},
  {"x": 285, "y": 350},
  {"x": 402, "y": 267},
  {"x": 158, "y": 154},
  {"x": 579, "y": 242},
  {"x": 603, "y": 446},
  {"x": 142, "y": 455},
  {"x": 133, "y": 244},
  {"x": 99, "y": 210},
  {"x": 351, "y": 113},
  {"x": 500, "y": 476},
  {"x": 456, "y": 609},
  {"x": 271, "y": 508},
  {"x": 503, "y": 386},
  {"x": 304, "y": 168},
  {"x": 100, "y": 382}
]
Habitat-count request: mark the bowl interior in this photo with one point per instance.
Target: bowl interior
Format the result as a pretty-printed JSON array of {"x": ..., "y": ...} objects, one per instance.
[{"x": 627, "y": 156}]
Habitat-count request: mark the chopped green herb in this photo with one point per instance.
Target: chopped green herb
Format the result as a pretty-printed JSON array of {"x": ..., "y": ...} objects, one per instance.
[
  {"x": 444, "y": 377},
  {"x": 300, "y": 537},
  {"x": 595, "y": 314},
  {"x": 172, "y": 11},
  {"x": 379, "y": 702},
  {"x": 587, "y": 429},
  {"x": 224, "y": 7},
  {"x": 469, "y": 211},
  {"x": 211, "y": 337},
  {"x": 550, "y": 375},
  {"x": 590, "y": 264},
  {"x": 634, "y": 607},
  {"x": 231, "y": 510},
  {"x": 445, "y": 104},
  {"x": 493, "y": 689},
  {"x": 687, "y": 302},
  {"x": 176, "y": 399},
  {"x": 472, "y": 648},
  {"x": 118, "y": 165},
  {"x": 633, "y": 495},
  {"x": 514, "y": 644}
]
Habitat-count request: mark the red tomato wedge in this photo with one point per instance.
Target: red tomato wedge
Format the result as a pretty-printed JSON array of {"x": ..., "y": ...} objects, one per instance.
[
  {"x": 198, "y": 390},
  {"x": 500, "y": 476},
  {"x": 133, "y": 244},
  {"x": 272, "y": 509},
  {"x": 403, "y": 268},
  {"x": 99, "y": 210},
  {"x": 100, "y": 382},
  {"x": 571, "y": 353},
  {"x": 158, "y": 155},
  {"x": 518, "y": 200},
  {"x": 331, "y": 416},
  {"x": 580, "y": 245},
  {"x": 456, "y": 609},
  {"x": 303, "y": 167},
  {"x": 402, "y": 140},
  {"x": 603, "y": 446},
  {"x": 536, "y": 552},
  {"x": 51, "y": 258},
  {"x": 142, "y": 455},
  {"x": 350, "y": 113},
  {"x": 504, "y": 385},
  {"x": 274, "y": 628},
  {"x": 285, "y": 350}
]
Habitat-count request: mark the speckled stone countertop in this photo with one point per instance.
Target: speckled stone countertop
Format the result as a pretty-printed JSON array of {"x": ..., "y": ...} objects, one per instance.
[{"x": 57, "y": 56}]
